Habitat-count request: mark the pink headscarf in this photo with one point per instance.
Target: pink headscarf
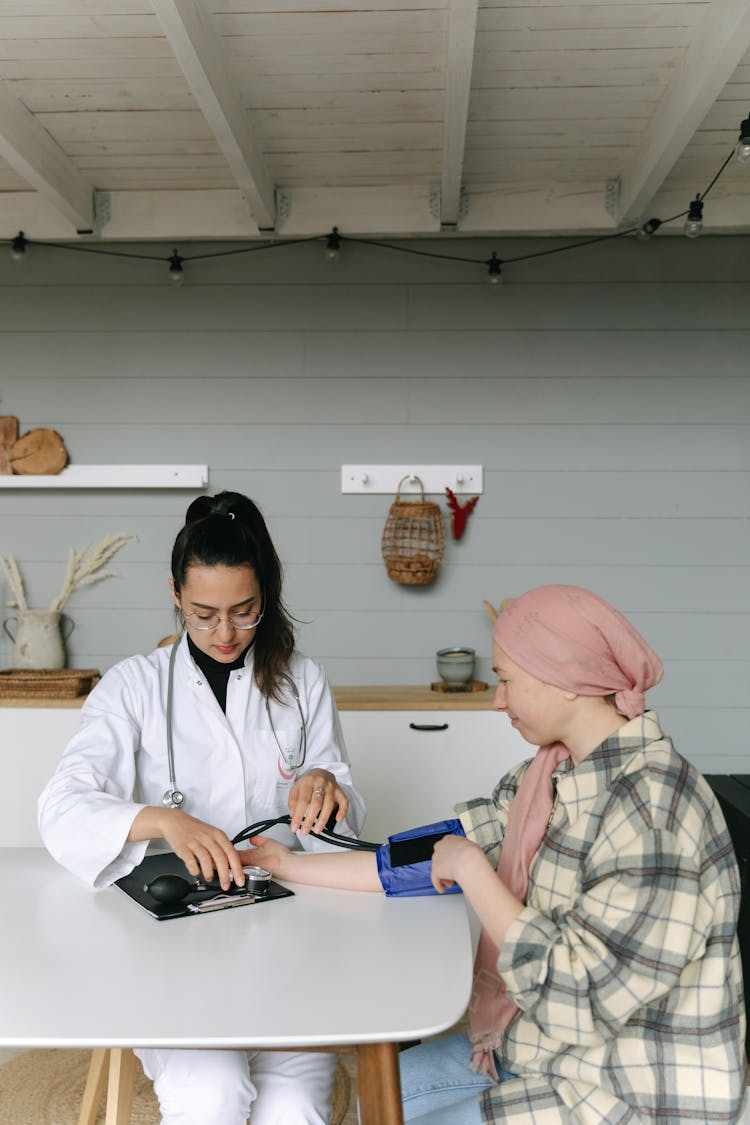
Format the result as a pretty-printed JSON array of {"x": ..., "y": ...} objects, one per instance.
[{"x": 569, "y": 637}]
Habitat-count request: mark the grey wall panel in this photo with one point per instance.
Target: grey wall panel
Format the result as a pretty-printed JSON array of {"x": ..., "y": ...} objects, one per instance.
[
  {"x": 583, "y": 400},
  {"x": 674, "y": 305},
  {"x": 606, "y": 392},
  {"x": 142, "y": 399},
  {"x": 140, "y": 308},
  {"x": 519, "y": 447},
  {"x": 614, "y": 540},
  {"x": 445, "y": 351},
  {"x": 441, "y": 352},
  {"x": 162, "y": 354}
]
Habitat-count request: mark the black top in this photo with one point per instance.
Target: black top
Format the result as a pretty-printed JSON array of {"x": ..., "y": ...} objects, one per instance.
[{"x": 216, "y": 672}]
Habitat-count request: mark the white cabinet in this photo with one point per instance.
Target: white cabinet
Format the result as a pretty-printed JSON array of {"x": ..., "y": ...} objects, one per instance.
[
  {"x": 412, "y": 767},
  {"x": 31, "y": 742}
]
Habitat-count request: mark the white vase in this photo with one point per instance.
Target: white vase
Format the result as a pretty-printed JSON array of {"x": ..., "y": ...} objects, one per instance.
[{"x": 40, "y": 639}]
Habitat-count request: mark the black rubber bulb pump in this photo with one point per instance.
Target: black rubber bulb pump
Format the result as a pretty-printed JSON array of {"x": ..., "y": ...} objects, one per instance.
[{"x": 173, "y": 888}]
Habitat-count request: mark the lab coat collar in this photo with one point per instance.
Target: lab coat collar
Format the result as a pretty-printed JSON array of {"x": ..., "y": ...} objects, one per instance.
[{"x": 186, "y": 667}]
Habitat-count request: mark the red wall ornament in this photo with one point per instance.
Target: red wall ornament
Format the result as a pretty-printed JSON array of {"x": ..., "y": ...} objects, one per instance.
[{"x": 459, "y": 512}]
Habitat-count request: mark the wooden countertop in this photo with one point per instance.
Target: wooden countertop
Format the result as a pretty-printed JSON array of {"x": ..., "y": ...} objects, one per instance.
[
  {"x": 40, "y": 702},
  {"x": 378, "y": 697},
  {"x": 416, "y": 697}
]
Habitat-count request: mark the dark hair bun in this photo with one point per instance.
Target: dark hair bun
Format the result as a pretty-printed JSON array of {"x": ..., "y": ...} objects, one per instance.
[{"x": 232, "y": 504}]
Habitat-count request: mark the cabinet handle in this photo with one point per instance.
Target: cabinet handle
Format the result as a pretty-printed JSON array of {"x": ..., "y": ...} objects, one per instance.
[{"x": 428, "y": 726}]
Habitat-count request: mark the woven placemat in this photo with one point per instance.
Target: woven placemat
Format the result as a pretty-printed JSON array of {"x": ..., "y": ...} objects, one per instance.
[
  {"x": 47, "y": 683},
  {"x": 46, "y": 1087}
]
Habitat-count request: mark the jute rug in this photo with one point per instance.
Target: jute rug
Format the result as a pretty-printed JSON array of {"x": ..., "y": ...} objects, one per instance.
[{"x": 46, "y": 1088}]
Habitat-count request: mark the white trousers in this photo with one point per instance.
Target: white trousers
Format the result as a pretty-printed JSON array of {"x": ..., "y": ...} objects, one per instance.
[{"x": 230, "y": 1087}]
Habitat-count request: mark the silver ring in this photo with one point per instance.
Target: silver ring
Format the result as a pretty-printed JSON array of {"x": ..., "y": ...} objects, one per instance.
[{"x": 319, "y": 792}]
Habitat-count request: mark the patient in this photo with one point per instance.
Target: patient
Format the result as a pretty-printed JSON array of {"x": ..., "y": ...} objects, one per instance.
[{"x": 607, "y": 981}]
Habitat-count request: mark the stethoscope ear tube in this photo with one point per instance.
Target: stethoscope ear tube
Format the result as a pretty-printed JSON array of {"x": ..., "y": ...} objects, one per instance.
[
  {"x": 328, "y": 835},
  {"x": 174, "y": 798}
]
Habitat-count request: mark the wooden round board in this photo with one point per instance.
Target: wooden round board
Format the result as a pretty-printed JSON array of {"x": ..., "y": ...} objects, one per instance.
[{"x": 39, "y": 452}]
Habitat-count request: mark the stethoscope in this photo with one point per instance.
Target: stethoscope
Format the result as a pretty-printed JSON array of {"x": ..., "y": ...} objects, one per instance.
[
  {"x": 170, "y": 889},
  {"x": 174, "y": 798}
]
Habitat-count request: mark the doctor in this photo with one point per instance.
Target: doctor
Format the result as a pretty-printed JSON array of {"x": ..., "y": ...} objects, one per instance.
[{"x": 227, "y": 726}]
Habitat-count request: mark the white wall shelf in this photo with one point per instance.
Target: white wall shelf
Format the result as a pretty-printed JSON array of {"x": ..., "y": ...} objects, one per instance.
[
  {"x": 114, "y": 476},
  {"x": 461, "y": 479}
]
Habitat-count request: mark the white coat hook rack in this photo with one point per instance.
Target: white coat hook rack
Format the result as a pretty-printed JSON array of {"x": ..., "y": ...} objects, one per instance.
[{"x": 435, "y": 478}]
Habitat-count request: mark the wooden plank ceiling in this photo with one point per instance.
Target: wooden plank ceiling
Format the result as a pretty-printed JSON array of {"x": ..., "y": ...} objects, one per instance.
[{"x": 152, "y": 119}]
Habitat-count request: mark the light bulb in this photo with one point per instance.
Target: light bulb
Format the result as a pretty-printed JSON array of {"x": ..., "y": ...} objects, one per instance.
[
  {"x": 333, "y": 245},
  {"x": 494, "y": 271},
  {"x": 176, "y": 272},
  {"x": 18, "y": 248},
  {"x": 694, "y": 221},
  {"x": 743, "y": 144},
  {"x": 648, "y": 229}
]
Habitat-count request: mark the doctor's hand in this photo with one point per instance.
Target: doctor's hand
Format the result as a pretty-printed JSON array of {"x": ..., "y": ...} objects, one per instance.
[
  {"x": 313, "y": 798},
  {"x": 201, "y": 847}
]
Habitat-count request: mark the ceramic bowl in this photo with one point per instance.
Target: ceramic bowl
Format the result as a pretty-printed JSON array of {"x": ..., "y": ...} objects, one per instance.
[{"x": 456, "y": 665}]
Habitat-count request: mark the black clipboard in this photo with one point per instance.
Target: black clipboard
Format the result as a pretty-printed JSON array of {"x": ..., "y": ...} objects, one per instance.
[{"x": 167, "y": 863}]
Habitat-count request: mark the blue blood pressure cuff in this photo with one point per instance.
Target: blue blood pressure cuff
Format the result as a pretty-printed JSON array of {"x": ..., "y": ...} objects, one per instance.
[{"x": 405, "y": 862}]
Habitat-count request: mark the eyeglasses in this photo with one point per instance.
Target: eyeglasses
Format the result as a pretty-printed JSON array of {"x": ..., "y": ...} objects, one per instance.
[{"x": 204, "y": 622}]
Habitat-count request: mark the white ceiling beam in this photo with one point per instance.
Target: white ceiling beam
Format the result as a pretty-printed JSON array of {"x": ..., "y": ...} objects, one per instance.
[
  {"x": 462, "y": 28},
  {"x": 395, "y": 211},
  {"x": 199, "y": 53},
  {"x": 538, "y": 208},
  {"x": 175, "y": 217},
  {"x": 39, "y": 160},
  {"x": 719, "y": 43}
]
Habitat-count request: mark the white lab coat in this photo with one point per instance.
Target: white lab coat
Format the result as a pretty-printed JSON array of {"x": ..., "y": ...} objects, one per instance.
[{"x": 227, "y": 765}]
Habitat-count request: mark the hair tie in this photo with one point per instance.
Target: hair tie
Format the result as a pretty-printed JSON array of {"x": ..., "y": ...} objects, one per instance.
[{"x": 231, "y": 515}]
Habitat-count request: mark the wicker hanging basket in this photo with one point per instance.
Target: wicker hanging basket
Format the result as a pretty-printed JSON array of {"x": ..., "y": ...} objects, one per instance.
[{"x": 413, "y": 539}]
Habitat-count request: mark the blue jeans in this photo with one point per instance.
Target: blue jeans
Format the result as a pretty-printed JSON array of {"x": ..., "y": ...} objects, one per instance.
[{"x": 437, "y": 1086}]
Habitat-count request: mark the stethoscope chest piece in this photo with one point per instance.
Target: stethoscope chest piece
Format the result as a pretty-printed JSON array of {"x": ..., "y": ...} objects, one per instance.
[{"x": 173, "y": 799}]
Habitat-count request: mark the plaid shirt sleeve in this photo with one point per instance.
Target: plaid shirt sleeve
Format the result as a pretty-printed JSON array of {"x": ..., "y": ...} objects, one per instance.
[{"x": 484, "y": 820}]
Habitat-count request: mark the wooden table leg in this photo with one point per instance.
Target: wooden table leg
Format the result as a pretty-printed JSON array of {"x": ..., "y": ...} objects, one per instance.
[
  {"x": 95, "y": 1082},
  {"x": 121, "y": 1085},
  {"x": 379, "y": 1084}
]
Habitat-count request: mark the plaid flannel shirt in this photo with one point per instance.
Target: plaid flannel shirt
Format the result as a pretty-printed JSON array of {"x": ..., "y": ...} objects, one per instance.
[{"x": 624, "y": 962}]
